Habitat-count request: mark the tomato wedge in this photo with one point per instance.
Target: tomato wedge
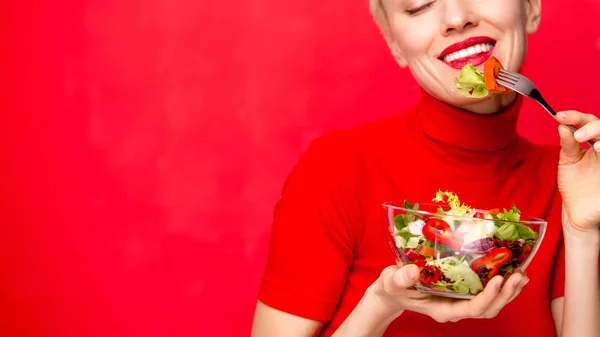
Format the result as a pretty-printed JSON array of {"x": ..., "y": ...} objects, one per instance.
[
  {"x": 439, "y": 232},
  {"x": 430, "y": 275},
  {"x": 491, "y": 69},
  {"x": 427, "y": 251},
  {"x": 489, "y": 265}
]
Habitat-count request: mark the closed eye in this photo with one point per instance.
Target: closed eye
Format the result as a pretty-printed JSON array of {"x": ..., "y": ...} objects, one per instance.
[{"x": 415, "y": 11}]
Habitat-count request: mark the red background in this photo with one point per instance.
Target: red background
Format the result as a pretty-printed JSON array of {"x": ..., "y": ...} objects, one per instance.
[{"x": 144, "y": 144}]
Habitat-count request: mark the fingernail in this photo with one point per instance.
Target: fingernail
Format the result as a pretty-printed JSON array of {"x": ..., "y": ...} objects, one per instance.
[
  {"x": 561, "y": 115},
  {"x": 524, "y": 282},
  {"x": 580, "y": 134},
  {"x": 597, "y": 146}
]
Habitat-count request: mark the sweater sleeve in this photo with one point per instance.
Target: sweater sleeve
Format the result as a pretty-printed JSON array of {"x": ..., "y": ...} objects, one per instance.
[{"x": 315, "y": 232}]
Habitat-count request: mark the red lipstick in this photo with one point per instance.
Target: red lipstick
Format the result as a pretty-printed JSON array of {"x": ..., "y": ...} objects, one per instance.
[{"x": 476, "y": 59}]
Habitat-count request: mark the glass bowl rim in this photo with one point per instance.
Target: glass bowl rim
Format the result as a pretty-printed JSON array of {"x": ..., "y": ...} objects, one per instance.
[{"x": 525, "y": 219}]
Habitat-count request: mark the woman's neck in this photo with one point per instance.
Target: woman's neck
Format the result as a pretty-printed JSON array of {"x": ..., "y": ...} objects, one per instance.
[{"x": 476, "y": 145}]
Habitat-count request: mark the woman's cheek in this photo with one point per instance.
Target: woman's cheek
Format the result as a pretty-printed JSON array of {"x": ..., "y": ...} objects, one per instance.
[
  {"x": 504, "y": 15},
  {"x": 416, "y": 42}
]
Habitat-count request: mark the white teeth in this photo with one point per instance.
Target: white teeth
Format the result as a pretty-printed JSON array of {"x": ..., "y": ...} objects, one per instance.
[{"x": 470, "y": 51}]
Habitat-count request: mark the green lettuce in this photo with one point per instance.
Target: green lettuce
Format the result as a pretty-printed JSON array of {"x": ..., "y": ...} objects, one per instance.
[{"x": 470, "y": 83}]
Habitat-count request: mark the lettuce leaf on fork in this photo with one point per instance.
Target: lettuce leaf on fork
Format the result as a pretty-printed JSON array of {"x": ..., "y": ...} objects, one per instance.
[{"x": 470, "y": 83}]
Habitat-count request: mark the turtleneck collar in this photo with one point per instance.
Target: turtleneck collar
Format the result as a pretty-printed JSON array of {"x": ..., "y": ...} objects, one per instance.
[
  {"x": 473, "y": 146},
  {"x": 467, "y": 130}
]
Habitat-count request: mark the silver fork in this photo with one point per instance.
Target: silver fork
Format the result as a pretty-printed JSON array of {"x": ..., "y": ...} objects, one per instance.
[{"x": 524, "y": 86}]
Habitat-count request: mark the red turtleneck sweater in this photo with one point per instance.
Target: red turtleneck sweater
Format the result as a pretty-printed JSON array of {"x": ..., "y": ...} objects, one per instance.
[{"x": 328, "y": 242}]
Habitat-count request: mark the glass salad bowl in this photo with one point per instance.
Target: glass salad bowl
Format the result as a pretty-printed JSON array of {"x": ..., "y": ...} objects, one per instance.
[{"x": 458, "y": 248}]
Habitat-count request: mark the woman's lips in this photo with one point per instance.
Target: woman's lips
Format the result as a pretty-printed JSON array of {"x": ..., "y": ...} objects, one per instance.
[
  {"x": 475, "y": 60},
  {"x": 478, "y": 42},
  {"x": 472, "y": 41}
]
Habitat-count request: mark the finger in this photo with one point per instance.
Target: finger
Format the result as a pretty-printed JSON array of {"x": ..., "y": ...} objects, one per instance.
[
  {"x": 398, "y": 279},
  {"x": 386, "y": 277},
  {"x": 589, "y": 131},
  {"x": 406, "y": 277},
  {"x": 477, "y": 306},
  {"x": 571, "y": 151},
  {"x": 572, "y": 117},
  {"x": 522, "y": 285},
  {"x": 509, "y": 292},
  {"x": 414, "y": 294}
]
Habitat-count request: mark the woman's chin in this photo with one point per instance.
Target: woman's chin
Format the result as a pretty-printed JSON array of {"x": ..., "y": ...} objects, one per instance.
[
  {"x": 489, "y": 104},
  {"x": 460, "y": 100}
]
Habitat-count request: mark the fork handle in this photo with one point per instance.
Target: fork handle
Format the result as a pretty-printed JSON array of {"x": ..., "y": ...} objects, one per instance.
[{"x": 537, "y": 96}]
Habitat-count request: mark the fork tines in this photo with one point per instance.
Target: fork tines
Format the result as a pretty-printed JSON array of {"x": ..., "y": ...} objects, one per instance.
[
  {"x": 515, "y": 82},
  {"x": 508, "y": 76}
]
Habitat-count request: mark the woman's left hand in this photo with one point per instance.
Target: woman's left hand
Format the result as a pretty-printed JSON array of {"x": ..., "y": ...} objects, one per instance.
[{"x": 579, "y": 171}]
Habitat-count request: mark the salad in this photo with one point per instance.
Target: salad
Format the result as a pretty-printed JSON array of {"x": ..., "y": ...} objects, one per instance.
[
  {"x": 462, "y": 254},
  {"x": 473, "y": 83}
]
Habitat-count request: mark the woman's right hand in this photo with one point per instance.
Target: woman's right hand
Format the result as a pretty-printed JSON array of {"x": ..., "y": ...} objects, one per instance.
[
  {"x": 395, "y": 293},
  {"x": 386, "y": 299}
]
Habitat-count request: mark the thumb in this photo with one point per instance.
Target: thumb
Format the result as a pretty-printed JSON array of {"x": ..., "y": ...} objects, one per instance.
[
  {"x": 407, "y": 276},
  {"x": 571, "y": 150}
]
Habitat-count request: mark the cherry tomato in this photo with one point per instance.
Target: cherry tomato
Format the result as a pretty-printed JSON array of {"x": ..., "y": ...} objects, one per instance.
[{"x": 430, "y": 275}]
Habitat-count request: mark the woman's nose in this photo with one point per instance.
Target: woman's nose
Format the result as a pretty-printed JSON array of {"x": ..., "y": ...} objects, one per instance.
[{"x": 457, "y": 15}]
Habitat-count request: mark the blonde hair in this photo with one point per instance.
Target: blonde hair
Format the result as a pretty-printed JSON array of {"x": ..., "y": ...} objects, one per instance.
[{"x": 378, "y": 12}]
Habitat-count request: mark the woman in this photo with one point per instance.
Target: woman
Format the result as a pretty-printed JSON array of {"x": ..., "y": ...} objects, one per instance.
[{"x": 330, "y": 272}]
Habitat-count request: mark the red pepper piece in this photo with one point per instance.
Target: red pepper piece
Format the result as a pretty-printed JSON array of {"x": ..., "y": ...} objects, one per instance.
[
  {"x": 439, "y": 232},
  {"x": 489, "y": 265},
  {"x": 415, "y": 258},
  {"x": 430, "y": 275}
]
